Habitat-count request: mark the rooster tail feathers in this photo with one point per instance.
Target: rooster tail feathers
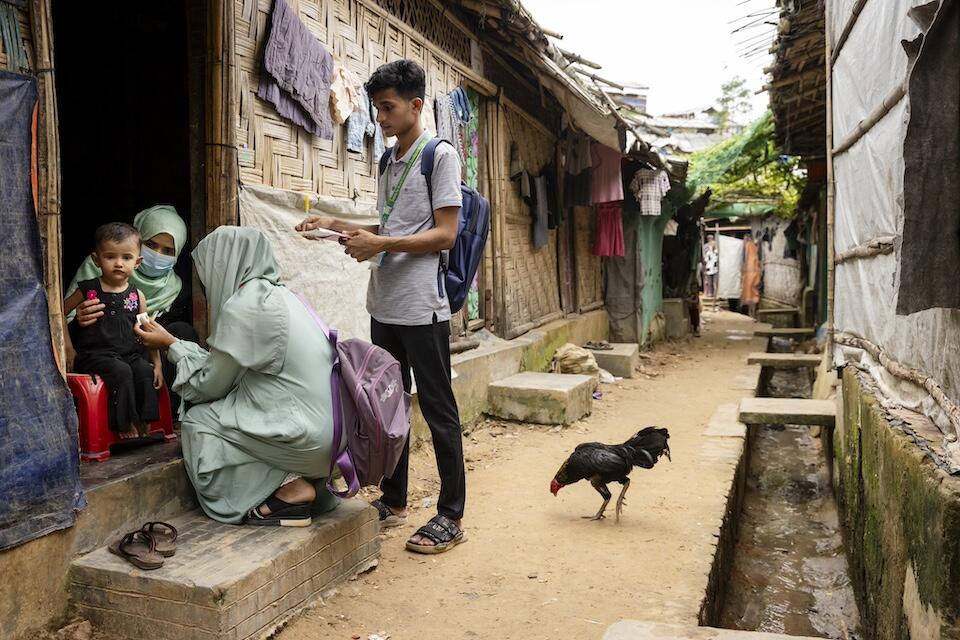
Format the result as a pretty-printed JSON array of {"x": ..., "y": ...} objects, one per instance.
[{"x": 648, "y": 445}]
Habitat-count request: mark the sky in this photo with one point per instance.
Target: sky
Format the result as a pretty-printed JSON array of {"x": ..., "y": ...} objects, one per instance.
[{"x": 682, "y": 49}]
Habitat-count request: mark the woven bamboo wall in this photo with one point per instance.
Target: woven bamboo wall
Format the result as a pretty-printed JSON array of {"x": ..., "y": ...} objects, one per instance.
[
  {"x": 589, "y": 277},
  {"x": 364, "y": 36},
  {"x": 23, "y": 18},
  {"x": 532, "y": 291}
]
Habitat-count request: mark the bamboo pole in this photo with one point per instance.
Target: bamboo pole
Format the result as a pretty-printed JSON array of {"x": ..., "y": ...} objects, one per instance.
[
  {"x": 48, "y": 169},
  {"x": 577, "y": 58},
  {"x": 222, "y": 111},
  {"x": 847, "y": 28},
  {"x": 875, "y": 247},
  {"x": 596, "y": 78},
  {"x": 831, "y": 188},
  {"x": 892, "y": 99},
  {"x": 497, "y": 179}
]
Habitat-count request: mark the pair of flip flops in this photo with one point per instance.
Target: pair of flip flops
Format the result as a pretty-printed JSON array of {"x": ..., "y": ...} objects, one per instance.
[
  {"x": 598, "y": 345},
  {"x": 147, "y": 547}
]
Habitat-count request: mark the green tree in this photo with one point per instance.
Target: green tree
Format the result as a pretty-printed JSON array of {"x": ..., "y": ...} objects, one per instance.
[{"x": 734, "y": 101}]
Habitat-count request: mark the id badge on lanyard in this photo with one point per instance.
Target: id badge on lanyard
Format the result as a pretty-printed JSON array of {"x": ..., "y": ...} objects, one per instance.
[{"x": 391, "y": 200}]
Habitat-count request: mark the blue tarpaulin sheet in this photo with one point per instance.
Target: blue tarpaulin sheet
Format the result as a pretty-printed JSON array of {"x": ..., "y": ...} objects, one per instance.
[{"x": 39, "y": 456}]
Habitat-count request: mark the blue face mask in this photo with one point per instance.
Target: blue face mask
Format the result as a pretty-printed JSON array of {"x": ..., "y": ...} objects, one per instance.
[{"x": 155, "y": 264}]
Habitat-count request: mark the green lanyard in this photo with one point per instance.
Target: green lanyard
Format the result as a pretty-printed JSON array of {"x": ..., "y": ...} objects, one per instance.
[{"x": 392, "y": 199}]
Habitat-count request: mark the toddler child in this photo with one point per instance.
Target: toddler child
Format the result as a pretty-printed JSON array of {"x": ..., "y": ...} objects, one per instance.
[{"x": 109, "y": 348}]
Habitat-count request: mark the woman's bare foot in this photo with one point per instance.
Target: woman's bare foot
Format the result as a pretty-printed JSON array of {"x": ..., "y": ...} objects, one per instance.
[{"x": 297, "y": 492}]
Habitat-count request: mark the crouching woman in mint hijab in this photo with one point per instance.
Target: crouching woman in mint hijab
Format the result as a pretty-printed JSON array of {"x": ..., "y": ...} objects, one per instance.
[
  {"x": 262, "y": 410},
  {"x": 164, "y": 236}
]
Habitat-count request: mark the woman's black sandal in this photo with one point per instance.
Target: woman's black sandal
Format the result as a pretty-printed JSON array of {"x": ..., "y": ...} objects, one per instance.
[
  {"x": 282, "y": 514},
  {"x": 387, "y": 517}
]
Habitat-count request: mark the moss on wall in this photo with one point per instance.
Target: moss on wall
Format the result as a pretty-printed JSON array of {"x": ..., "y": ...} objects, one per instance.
[{"x": 901, "y": 514}]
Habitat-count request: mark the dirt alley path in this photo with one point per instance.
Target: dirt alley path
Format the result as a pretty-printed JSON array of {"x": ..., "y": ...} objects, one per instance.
[{"x": 532, "y": 568}]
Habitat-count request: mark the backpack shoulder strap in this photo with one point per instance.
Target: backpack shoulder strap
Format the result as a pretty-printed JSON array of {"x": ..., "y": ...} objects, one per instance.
[
  {"x": 426, "y": 163},
  {"x": 384, "y": 159}
]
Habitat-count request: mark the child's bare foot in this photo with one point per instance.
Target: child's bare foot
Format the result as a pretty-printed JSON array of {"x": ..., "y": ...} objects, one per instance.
[
  {"x": 130, "y": 433},
  {"x": 143, "y": 430}
]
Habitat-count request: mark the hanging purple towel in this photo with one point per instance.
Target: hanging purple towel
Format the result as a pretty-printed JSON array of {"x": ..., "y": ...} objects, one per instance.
[{"x": 298, "y": 71}]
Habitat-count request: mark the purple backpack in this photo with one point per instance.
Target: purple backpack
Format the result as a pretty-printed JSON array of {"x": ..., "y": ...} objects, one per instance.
[{"x": 370, "y": 404}]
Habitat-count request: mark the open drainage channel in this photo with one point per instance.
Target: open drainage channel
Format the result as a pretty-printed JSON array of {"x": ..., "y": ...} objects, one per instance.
[{"x": 789, "y": 572}]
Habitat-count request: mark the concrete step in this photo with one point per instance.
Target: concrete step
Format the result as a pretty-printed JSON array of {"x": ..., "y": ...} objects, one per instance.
[
  {"x": 637, "y": 630},
  {"x": 621, "y": 360},
  {"x": 786, "y": 332},
  {"x": 785, "y": 360},
  {"x": 225, "y": 582},
  {"x": 780, "y": 316},
  {"x": 542, "y": 398},
  {"x": 787, "y": 411}
]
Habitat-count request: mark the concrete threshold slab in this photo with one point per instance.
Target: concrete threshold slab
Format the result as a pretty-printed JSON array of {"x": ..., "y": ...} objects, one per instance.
[
  {"x": 542, "y": 398},
  {"x": 788, "y": 411},
  {"x": 785, "y": 360},
  {"x": 621, "y": 359},
  {"x": 785, "y": 332},
  {"x": 225, "y": 582},
  {"x": 637, "y": 630}
]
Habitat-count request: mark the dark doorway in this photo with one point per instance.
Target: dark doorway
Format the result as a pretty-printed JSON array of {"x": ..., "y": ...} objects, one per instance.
[{"x": 123, "y": 101}]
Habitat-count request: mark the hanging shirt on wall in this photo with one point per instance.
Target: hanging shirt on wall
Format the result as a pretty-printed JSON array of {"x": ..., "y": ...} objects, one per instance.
[
  {"x": 541, "y": 213},
  {"x": 608, "y": 241},
  {"x": 578, "y": 157},
  {"x": 344, "y": 96},
  {"x": 298, "y": 71},
  {"x": 360, "y": 126},
  {"x": 649, "y": 186},
  {"x": 449, "y": 125},
  {"x": 606, "y": 181}
]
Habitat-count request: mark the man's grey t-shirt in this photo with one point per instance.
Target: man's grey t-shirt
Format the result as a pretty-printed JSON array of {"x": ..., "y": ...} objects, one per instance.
[{"x": 407, "y": 289}]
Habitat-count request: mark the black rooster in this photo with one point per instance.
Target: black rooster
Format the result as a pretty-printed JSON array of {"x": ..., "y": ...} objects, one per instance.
[{"x": 605, "y": 463}]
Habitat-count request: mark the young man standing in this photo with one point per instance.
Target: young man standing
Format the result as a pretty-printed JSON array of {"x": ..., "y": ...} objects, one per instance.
[{"x": 410, "y": 314}]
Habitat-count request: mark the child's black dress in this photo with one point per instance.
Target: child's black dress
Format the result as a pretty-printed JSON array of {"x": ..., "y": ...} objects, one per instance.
[{"x": 109, "y": 349}]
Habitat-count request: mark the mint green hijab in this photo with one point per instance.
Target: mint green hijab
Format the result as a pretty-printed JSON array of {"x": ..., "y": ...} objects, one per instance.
[
  {"x": 160, "y": 292},
  {"x": 249, "y": 317}
]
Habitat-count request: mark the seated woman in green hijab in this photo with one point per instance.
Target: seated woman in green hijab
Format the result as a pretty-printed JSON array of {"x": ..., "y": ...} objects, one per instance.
[
  {"x": 262, "y": 411},
  {"x": 164, "y": 236}
]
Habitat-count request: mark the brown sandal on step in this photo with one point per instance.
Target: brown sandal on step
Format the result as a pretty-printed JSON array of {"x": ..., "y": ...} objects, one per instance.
[
  {"x": 139, "y": 549},
  {"x": 164, "y": 535}
]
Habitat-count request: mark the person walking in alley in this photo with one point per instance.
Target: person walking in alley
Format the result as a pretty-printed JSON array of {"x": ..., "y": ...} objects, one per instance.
[
  {"x": 410, "y": 313},
  {"x": 711, "y": 269}
]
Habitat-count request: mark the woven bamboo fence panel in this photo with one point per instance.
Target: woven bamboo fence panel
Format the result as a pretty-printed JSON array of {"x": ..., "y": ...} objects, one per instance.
[
  {"x": 23, "y": 19},
  {"x": 361, "y": 34},
  {"x": 532, "y": 291},
  {"x": 589, "y": 277}
]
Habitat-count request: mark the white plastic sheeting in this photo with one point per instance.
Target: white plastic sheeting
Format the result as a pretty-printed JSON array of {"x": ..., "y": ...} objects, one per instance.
[
  {"x": 731, "y": 266},
  {"x": 319, "y": 270},
  {"x": 871, "y": 63},
  {"x": 782, "y": 281},
  {"x": 869, "y": 204}
]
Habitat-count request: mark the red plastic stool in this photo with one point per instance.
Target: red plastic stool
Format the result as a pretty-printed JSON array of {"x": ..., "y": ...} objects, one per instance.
[{"x": 91, "y": 396}]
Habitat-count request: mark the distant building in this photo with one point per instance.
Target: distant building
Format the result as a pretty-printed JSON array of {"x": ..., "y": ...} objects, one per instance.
[
  {"x": 690, "y": 131},
  {"x": 633, "y": 96}
]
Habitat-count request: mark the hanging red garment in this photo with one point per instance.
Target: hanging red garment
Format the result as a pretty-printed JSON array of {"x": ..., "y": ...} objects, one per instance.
[{"x": 608, "y": 240}]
